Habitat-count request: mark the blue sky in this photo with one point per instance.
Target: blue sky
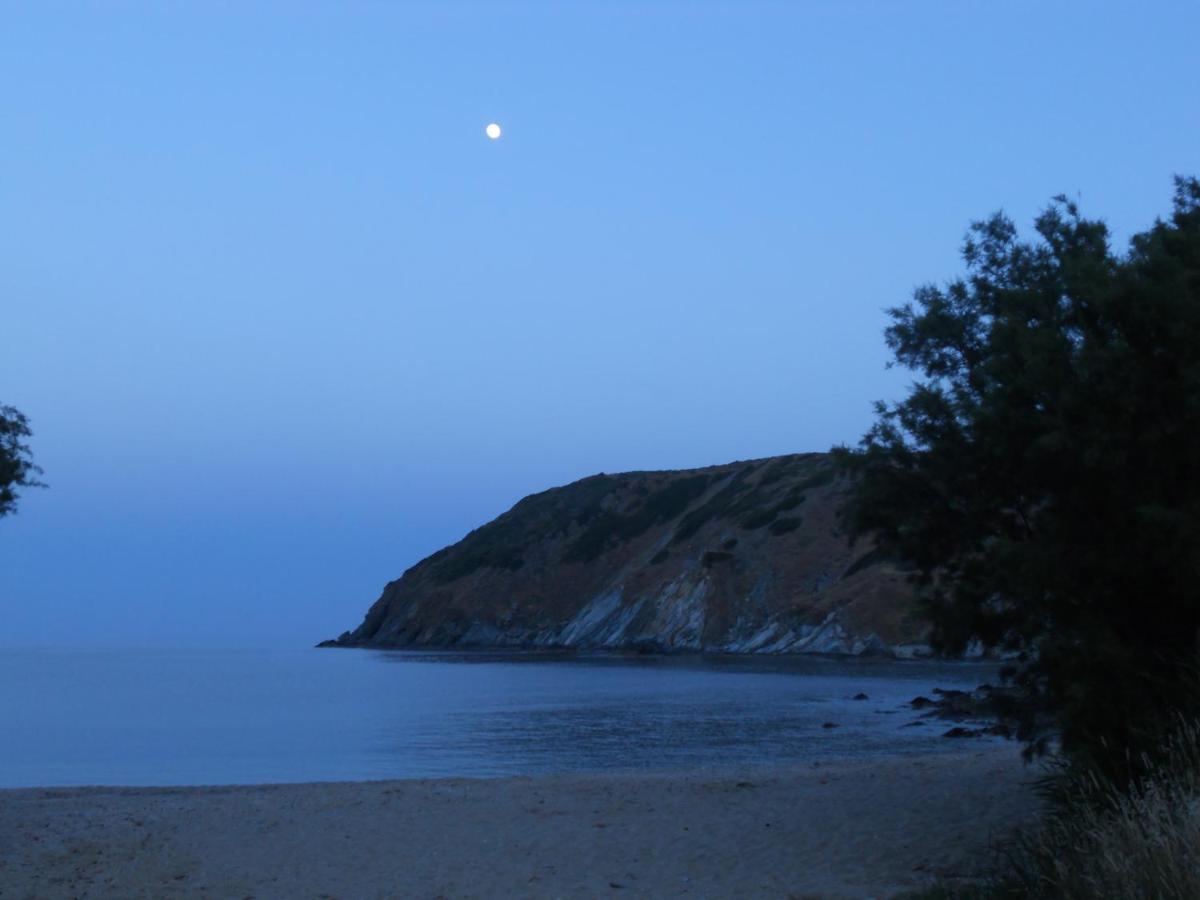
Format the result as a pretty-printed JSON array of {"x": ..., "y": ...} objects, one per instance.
[{"x": 285, "y": 321}]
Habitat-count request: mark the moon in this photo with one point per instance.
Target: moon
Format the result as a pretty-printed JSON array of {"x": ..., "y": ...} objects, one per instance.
[{"x": 493, "y": 131}]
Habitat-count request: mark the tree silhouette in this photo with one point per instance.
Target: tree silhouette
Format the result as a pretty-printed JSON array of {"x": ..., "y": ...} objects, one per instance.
[
  {"x": 1043, "y": 476},
  {"x": 17, "y": 469}
]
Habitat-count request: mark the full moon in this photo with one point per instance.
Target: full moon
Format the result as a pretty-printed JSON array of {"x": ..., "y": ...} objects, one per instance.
[{"x": 493, "y": 131}]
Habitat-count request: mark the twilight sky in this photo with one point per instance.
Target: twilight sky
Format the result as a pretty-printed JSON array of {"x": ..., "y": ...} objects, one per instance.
[{"x": 285, "y": 320}]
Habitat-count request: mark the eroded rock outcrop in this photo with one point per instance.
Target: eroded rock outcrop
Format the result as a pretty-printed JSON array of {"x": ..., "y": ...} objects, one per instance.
[{"x": 745, "y": 558}]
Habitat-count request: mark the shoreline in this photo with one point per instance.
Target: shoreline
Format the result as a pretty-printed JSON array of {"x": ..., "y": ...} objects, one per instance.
[
  {"x": 858, "y": 828},
  {"x": 982, "y": 743},
  {"x": 901, "y": 653}
]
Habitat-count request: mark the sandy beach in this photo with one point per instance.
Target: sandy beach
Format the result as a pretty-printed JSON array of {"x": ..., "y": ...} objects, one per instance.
[{"x": 863, "y": 829}]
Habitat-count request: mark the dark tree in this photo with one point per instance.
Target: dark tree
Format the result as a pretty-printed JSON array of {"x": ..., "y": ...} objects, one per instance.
[
  {"x": 16, "y": 465},
  {"x": 1043, "y": 475}
]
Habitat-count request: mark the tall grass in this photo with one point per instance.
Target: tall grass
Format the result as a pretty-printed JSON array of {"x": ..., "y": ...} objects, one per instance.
[
  {"x": 1105, "y": 842},
  {"x": 1101, "y": 842}
]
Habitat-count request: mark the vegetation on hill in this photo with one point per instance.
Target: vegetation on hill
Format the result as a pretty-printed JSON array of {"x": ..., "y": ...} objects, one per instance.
[
  {"x": 741, "y": 557},
  {"x": 1043, "y": 475}
]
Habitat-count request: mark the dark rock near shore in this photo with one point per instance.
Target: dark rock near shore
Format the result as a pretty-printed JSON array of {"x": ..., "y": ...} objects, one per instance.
[
  {"x": 987, "y": 708},
  {"x": 959, "y": 732}
]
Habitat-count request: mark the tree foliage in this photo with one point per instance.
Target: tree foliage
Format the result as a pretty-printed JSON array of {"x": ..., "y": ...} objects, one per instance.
[
  {"x": 17, "y": 469},
  {"x": 1043, "y": 474}
]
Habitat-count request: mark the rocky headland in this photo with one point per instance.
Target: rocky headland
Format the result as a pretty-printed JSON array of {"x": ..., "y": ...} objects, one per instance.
[{"x": 746, "y": 557}]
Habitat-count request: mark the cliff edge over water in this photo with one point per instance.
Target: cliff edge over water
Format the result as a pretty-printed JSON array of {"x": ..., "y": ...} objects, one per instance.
[{"x": 739, "y": 558}]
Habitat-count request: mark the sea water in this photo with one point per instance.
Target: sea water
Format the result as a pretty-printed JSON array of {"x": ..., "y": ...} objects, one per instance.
[{"x": 238, "y": 717}]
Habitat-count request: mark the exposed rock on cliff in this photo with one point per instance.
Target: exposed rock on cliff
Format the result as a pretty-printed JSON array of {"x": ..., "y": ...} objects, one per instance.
[{"x": 745, "y": 558}]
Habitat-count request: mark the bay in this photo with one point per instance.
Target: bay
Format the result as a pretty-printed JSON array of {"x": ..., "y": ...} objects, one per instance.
[{"x": 157, "y": 717}]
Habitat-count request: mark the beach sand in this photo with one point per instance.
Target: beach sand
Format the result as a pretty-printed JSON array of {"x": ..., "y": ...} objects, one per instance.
[{"x": 850, "y": 829}]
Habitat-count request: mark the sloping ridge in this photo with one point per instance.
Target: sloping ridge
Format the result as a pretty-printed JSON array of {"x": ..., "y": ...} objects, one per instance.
[{"x": 745, "y": 557}]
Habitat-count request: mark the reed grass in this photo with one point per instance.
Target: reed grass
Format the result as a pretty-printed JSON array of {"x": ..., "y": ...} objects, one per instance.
[{"x": 1101, "y": 842}]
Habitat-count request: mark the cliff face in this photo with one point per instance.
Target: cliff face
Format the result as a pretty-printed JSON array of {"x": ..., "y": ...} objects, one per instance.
[{"x": 745, "y": 557}]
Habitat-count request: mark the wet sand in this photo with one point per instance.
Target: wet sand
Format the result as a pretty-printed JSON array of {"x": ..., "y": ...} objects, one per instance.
[{"x": 860, "y": 829}]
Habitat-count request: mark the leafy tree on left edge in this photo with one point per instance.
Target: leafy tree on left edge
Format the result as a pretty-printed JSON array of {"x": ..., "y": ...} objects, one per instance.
[{"x": 17, "y": 469}]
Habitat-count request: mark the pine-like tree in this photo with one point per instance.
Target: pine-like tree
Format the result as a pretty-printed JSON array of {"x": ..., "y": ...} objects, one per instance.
[
  {"x": 1043, "y": 475},
  {"x": 17, "y": 469}
]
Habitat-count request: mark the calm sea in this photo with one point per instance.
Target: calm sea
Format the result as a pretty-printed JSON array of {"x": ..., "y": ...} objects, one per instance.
[{"x": 159, "y": 718}]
